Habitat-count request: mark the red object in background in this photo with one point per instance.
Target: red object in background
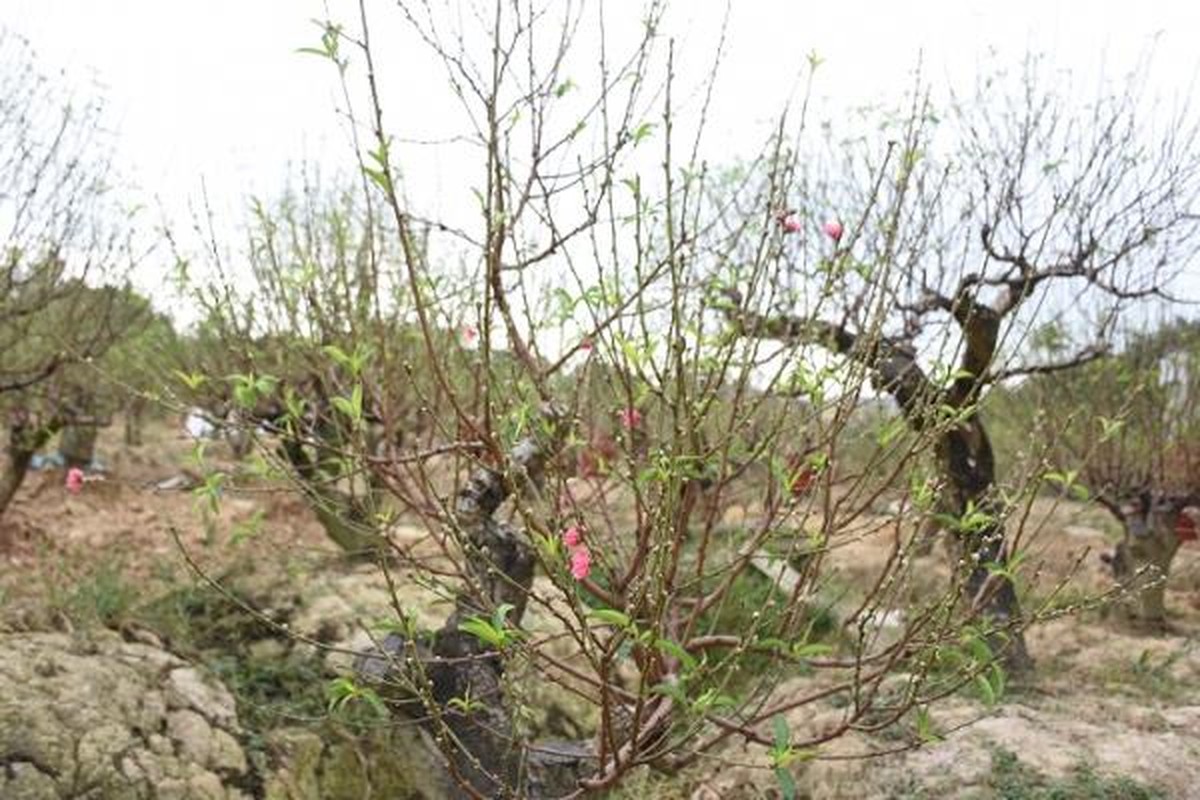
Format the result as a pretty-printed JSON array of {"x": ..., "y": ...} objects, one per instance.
[
  {"x": 802, "y": 482},
  {"x": 1185, "y": 527},
  {"x": 803, "y": 476}
]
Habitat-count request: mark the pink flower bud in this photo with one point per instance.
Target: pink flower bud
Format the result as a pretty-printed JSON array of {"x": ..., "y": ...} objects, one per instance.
[
  {"x": 572, "y": 536},
  {"x": 581, "y": 563},
  {"x": 469, "y": 334},
  {"x": 630, "y": 418},
  {"x": 834, "y": 230},
  {"x": 586, "y": 345},
  {"x": 74, "y": 481},
  {"x": 790, "y": 222}
]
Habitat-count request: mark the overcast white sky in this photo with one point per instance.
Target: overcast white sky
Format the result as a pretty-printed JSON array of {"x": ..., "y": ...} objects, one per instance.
[{"x": 215, "y": 90}]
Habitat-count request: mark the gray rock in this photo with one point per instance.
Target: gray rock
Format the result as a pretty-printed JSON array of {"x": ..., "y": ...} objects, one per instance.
[{"x": 98, "y": 717}]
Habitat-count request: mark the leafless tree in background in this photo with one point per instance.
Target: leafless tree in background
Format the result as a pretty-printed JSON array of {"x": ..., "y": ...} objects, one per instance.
[{"x": 63, "y": 252}]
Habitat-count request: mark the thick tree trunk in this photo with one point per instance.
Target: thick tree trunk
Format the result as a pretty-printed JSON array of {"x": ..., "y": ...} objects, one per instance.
[
  {"x": 966, "y": 460},
  {"x": 24, "y": 439},
  {"x": 1142, "y": 559},
  {"x": 964, "y": 452},
  {"x": 134, "y": 413},
  {"x": 348, "y": 521},
  {"x": 16, "y": 466},
  {"x": 485, "y": 755}
]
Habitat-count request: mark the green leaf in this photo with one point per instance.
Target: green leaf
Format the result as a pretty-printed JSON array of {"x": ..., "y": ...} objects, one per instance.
[
  {"x": 193, "y": 380},
  {"x": 610, "y": 616},
  {"x": 484, "y": 631},
  {"x": 782, "y": 736},
  {"x": 379, "y": 178},
  {"x": 676, "y": 650},
  {"x": 351, "y": 406},
  {"x": 500, "y": 615},
  {"x": 811, "y": 650},
  {"x": 709, "y": 699},
  {"x": 925, "y": 731},
  {"x": 986, "y": 691},
  {"x": 787, "y": 784},
  {"x": 642, "y": 132},
  {"x": 672, "y": 690}
]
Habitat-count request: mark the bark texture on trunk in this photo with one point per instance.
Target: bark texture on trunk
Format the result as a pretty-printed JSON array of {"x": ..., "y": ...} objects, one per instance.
[
  {"x": 1142, "y": 559},
  {"x": 135, "y": 412},
  {"x": 24, "y": 439},
  {"x": 484, "y": 753},
  {"x": 350, "y": 521}
]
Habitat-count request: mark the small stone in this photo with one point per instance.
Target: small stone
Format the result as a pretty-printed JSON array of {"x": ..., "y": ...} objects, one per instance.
[
  {"x": 193, "y": 734},
  {"x": 187, "y": 688},
  {"x": 206, "y": 786}
]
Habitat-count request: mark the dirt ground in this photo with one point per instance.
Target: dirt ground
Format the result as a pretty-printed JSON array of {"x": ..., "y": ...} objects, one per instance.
[{"x": 1109, "y": 712}]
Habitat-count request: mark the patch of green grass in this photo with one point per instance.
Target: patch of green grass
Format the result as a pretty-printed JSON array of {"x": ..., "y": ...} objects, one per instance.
[
  {"x": 197, "y": 618},
  {"x": 101, "y": 596},
  {"x": 1147, "y": 676},
  {"x": 1013, "y": 779},
  {"x": 1010, "y": 778},
  {"x": 271, "y": 692},
  {"x": 274, "y": 685}
]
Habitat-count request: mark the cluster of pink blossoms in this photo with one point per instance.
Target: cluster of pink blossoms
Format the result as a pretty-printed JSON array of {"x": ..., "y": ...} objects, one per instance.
[
  {"x": 790, "y": 222},
  {"x": 578, "y": 554}
]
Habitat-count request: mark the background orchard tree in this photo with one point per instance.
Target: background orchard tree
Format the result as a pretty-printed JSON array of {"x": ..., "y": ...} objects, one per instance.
[
  {"x": 305, "y": 342},
  {"x": 65, "y": 248},
  {"x": 948, "y": 245},
  {"x": 1125, "y": 430},
  {"x": 136, "y": 367}
]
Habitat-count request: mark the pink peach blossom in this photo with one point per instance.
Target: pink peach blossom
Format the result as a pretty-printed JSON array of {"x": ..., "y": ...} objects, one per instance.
[
  {"x": 834, "y": 230},
  {"x": 74, "y": 481},
  {"x": 581, "y": 563},
  {"x": 572, "y": 536},
  {"x": 586, "y": 345},
  {"x": 630, "y": 418},
  {"x": 790, "y": 222},
  {"x": 469, "y": 334}
]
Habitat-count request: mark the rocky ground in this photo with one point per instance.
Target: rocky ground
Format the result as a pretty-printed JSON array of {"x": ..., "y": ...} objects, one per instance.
[{"x": 123, "y": 674}]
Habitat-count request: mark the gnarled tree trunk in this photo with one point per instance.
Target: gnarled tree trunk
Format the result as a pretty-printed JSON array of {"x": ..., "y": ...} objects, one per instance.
[
  {"x": 1154, "y": 527},
  {"x": 485, "y": 756},
  {"x": 963, "y": 450},
  {"x": 25, "y": 438}
]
